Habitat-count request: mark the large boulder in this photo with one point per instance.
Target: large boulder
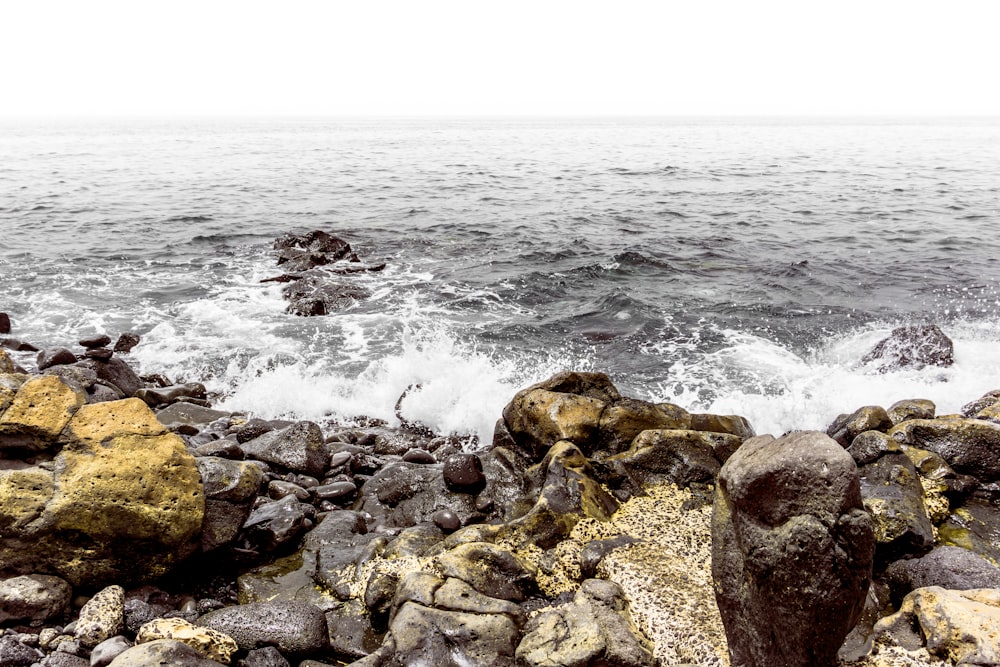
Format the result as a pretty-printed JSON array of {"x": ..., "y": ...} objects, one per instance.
[
  {"x": 893, "y": 494},
  {"x": 38, "y": 413},
  {"x": 792, "y": 550},
  {"x": 297, "y": 628},
  {"x": 949, "y": 567},
  {"x": 970, "y": 446},
  {"x": 912, "y": 346},
  {"x": 121, "y": 501},
  {"x": 299, "y": 448}
]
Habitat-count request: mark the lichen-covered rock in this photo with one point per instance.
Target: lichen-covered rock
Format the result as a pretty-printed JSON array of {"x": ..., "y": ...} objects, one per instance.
[
  {"x": 957, "y": 626},
  {"x": 162, "y": 652},
  {"x": 911, "y": 408},
  {"x": 6, "y": 363},
  {"x": 623, "y": 420},
  {"x": 595, "y": 629},
  {"x": 35, "y": 597},
  {"x": 38, "y": 413},
  {"x": 974, "y": 526},
  {"x": 673, "y": 455},
  {"x": 230, "y": 489},
  {"x": 297, "y": 628},
  {"x": 102, "y": 617},
  {"x": 792, "y": 550},
  {"x": 893, "y": 494},
  {"x": 970, "y": 446},
  {"x": 122, "y": 502},
  {"x": 731, "y": 424},
  {"x": 211, "y": 643},
  {"x": 869, "y": 418},
  {"x": 491, "y": 570},
  {"x": 425, "y": 636}
]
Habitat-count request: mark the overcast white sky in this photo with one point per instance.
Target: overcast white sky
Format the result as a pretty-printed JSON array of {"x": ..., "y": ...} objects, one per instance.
[{"x": 436, "y": 57}]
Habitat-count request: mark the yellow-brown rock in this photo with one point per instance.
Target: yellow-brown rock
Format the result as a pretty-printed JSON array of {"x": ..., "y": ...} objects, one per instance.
[
  {"x": 211, "y": 643},
  {"x": 126, "y": 504},
  {"x": 627, "y": 418},
  {"x": 540, "y": 418},
  {"x": 38, "y": 413},
  {"x": 9, "y": 384},
  {"x": 6, "y": 363},
  {"x": 24, "y": 492}
]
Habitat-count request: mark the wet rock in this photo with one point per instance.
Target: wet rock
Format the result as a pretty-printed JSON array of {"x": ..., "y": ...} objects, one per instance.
[
  {"x": 315, "y": 295},
  {"x": 108, "y": 650},
  {"x": 625, "y": 419},
  {"x": 869, "y": 418},
  {"x": 949, "y": 567},
  {"x": 299, "y": 448},
  {"x": 15, "y": 654},
  {"x": 315, "y": 241},
  {"x": 123, "y": 500},
  {"x": 99, "y": 353},
  {"x": 566, "y": 492},
  {"x": 425, "y": 636},
  {"x": 230, "y": 489},
  {"x": 957, "y": 626},
  {"x": 57, "y": 356},
  {"x": 352, "y": 634},
  {"x": 211, "y": 643},
  {"x": 171, "y": 394},
  {"x": 4, "y": 323},
  {"x": 35, "y": 597},
  {"x": 275, "y": 523},
  {"x": 295, "y": 628},
  {"x": 539, "y": 418},
  {"x": 179, "y": 415},
  {"x": 162, "y": 652},
  {"x": 731, "y": 424},
  {"x": 335, "y": 491},
  {"x": 278, "y": 489},
  {"x": 446, "y": 520},
  {"x": 126, "y": 342},
  {"x": 401, "y": 494},
  {"x": 913, "y": 408},
  {"x": 95, "y": 341},
  {"x": 913, "y": 346},
  {"x": 102, "y": 617},
  {"x": 254, "y": 428},
  {"x": 870, "y": 445},
  {"x": 118, "y": 373},
  {"x": 38, "y": 413},
  {"x": 974, "y": 526},
  {"x": 489, "y": 569},
  {"x": 416, "y": 455},
  {"x": 970, "y": 446},
  {"x": 679, "y": 456},
  {"x": 595, "y": 629},
  {"x": 792, "y": 550},
  {"x": 17, "y": 345},
  {"x": 894, "y": 496},
  {"x": 463, "y": 473}
]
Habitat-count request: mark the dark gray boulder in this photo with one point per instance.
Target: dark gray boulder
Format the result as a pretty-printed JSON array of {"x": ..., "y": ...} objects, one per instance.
[
  {"x": 892, "y": 493},
  {"x": 954, "y": 568},
  {"x": 33, "y": 597},
  {"x": 15, "y": 654},
  {"x": 57, "y": 356},
  {"x": 294, "y": 628},
  {"x": 912, "y": 346},
  {"x": 116, "y": 372},
  {"x": 299, "y": 448},
  {"x": 792, "y": 550},
  {"x": 275, "y": 524}
]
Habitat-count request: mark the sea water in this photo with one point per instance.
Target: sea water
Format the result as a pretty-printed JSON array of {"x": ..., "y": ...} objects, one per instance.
[{"x": 738, "y": 266}]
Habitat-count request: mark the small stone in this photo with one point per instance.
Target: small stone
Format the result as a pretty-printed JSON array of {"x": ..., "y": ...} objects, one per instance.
[
  {"x": 57, "y": 356},
  {"x": 264, "y": 657},
  {"x": 102, "y": 617},
  {"x": 253, "y": 429},
  {"x": 464, "y": 473},
  {"x": 4, "y": 323},
  {"x": 211, "y": 643},
  {"x": 15, "y": 654},
  {"x": 335, "y": 491},
  {"x": 278, "y": 489},
  {"x": 99, "y": 353},
  {"x": 108, "y": 650},
  {"x": 417, "y": 455},
  {"x": 126, "y": 342},
  {"x": 446, "y": 520},
  {"x": 96, "y": 341},
  {"x": 292, "y": 627}
]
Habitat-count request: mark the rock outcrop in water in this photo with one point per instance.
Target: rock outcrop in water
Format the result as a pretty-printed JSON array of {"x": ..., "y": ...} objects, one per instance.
[
  {"x": 580, "y": 536},
  {"x": 913, "y": 346}
]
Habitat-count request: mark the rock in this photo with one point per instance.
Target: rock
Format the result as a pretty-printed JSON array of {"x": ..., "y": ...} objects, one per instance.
[
  {"x": 316, "y": 295},
  {"x": 211, "y": 643},
  {"x": 35, "y": 597},
  {"x": 970, "y": 446},
  {"x": 425, "y": 636},
  {"x": 38, "y": 413},
  {"x": 178, "y": 415},
  {"x": 6, "y": 363},
  {"x": 108, "y": 650},
  {"x": 792, "y": 550},
  {"x": 4, "y": 323},
  {"x": 171, "y": 394},
  {"x": 315, "y": 241},
  {"x": 15, "y": 654},
  {"x": 566, "y": 493},
  {"x": 894, "y": 496},
  {"x": 869, "y": 418},
  {"x": 99, "y": 353},
  {"x": 264, "y": 657},
  {"x": 973, "y": 526},
  {"x": 162, "y": 652},
  {"x": 230, "y": 489},
  {"x": 957, "y": 626},
  {"x": 102, "y": 617},
  {"x": 912, "y": 346},
  {"x": 539, "y": 418},
  {"x": 75, "y": 375},
  {"x": 417, "y": 455},
  {"x": 446, "y": 520},
  {"x": 252, "y": 429},
  {"x": 126, "y": 342},
  {"x": 948, "y": 567},
  {"x": 299, "y": 448},
  {"x": 275, "y": 524},
  {"x": 678, "y": 456},
  {"x": 914, "y": 408},
  {"x": 489, "y": 569},
  {"x": 122, "y": 502},
  {"x": 295, "y": 628},
  {"x": 731, "y": 424},
  {"x": 870, "y": 445},
  {"x": 14, "y": 344},
  {"x": 402, "y": 494},
  {"x": 594, "y": 630},
  {"x": 57, "y": 356},
  {"x": 625, "y": 419},
  {"x": 988, "y": 399},
  {"x": 335, "y": 491},
  {"x": 118, "y": 373},
  {"x": 463, "y": 473}
]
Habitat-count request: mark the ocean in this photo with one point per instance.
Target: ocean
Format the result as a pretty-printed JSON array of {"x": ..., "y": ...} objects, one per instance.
[{"x": 736, "y": 266}]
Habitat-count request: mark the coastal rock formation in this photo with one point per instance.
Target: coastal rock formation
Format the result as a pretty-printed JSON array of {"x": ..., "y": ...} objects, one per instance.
[
  {"x": 913, "y": 346},
  {"x": 792, "y": 550}
]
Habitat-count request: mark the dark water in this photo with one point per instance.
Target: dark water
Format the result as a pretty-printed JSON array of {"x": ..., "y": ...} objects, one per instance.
[{"x": 733, "y": 266}]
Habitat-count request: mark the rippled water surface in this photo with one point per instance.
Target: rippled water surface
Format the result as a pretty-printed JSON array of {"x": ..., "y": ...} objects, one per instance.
[{"x": 737, "y": 266}]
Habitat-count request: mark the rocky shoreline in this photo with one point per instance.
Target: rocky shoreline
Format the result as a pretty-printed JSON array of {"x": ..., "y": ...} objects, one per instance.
[{"x": 139, "y": 526}]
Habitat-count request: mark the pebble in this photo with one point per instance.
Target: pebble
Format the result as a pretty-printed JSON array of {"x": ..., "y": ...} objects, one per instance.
[
  {"x": 108, "y": 650},
  {"x": 464, "y": 472},
  {"x": 417, "y": 455},
  {"x": 96, "y": 341},
  {"x": 335, "y": 491},
  {"x": 102, "y": 617},
  {"x": 99, "y": 353}
]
